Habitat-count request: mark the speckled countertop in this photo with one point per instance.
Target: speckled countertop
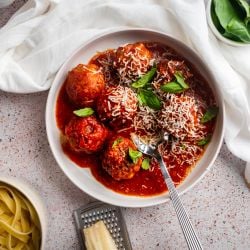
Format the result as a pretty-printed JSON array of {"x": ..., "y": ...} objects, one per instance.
[{"x": 219, "y": 206}]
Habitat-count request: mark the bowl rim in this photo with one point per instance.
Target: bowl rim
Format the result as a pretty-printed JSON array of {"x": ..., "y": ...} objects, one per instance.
[
  {"x": 217, "y": 33},
  {"x": 54, "y": 88},
  {"x": 35, "y": 199}
]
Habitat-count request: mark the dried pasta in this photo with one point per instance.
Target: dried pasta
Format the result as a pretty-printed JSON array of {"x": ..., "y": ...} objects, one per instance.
[{"x": 19, "y": 223}]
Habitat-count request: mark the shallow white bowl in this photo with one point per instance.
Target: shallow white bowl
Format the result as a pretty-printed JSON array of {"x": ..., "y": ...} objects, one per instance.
[
  {"x": 217, "y": 33},
  {"x": 82, "y": 177},
  {"x": 35, "y": 200}
]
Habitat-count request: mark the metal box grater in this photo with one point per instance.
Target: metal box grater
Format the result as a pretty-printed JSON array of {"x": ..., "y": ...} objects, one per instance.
[{"x": 112, "y": 217}]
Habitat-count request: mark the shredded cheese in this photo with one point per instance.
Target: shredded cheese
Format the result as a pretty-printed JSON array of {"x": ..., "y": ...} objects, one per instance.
[
  {"x": 181, "y": 115},
  {"x": 133, "y": 63},
  {"x": 120, "y": 102}
]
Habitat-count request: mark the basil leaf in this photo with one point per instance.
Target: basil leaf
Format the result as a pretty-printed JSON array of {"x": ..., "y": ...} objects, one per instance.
[
  {"x": 215, "y": 19},
  {"x": 84, "y": 112},
  {"x": 204, "y": 141},
  {"x": 231, "y": 36},
  {"x": 238, "y": 29},
  {"x": 134, "y": 155},
  {"x": 144, "y": 79},
  {"x": 140, "y": 100},
  {"x": 177, "y": 86},
  {"x": 148, "y": 98},
  {"x": 145, "y": 164},
  {"x": 210, "y": 114},
  {"x": 180, "y": 79},
  {"x": 224, "y": 11},
  {"x": 116, "y": 142},
  {"x": 172, "y": 87},
  {"x": 245, "y": 6}
]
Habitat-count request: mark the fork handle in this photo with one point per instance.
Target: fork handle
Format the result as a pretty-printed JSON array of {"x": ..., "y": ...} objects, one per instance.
[{"x": 186, "y": 225}]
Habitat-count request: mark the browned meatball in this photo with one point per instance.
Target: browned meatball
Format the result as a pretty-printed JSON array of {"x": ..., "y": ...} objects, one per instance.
[
  {"x": 116, "y": 160},
  {"x": 85, "y": 84},
  {"x": 117, "y": 106},
  {"x": 180, "y": 117},
  {"x": 166, "y": 70},
  {"x": 86, "y": 134},
  {"x": 132, "y": 61}
]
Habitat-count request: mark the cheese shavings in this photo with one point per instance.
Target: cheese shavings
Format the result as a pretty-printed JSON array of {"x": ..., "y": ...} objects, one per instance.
[
  {"x": 133, "y": 61},
  {"x": 181, "y": 115}
]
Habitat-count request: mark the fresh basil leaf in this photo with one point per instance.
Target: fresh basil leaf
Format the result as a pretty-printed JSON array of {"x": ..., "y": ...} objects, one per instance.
[
  {"x": 245, "y": 6},
  {"x": 215, "y": 19},
  {"x": 84, "y": 112},
  {"x": 134, "y": 155},
  {"x": 145, "y": 164},
  {"x": 180, "y": 79},
  {"x": 140, "y": 100},
  {"x": 149, "y": 99},
  {"x": 231, "y": 36},
  {"x": 172, "y": 87},
  {"x": 116, "y": 142},
  {"x": 144, "y": 79},
  {"x": 225, "y": 11},
  {"x": 204, "y": 141},
  {"x": 238, "y": 29},
  {"x": 210, "y": 114}
]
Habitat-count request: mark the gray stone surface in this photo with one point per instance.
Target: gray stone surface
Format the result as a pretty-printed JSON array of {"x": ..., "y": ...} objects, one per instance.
[{"x": 219, "y": 206}]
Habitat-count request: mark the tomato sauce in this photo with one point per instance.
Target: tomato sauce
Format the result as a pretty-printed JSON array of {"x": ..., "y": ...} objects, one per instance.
[{"x": 145, "y": 182}]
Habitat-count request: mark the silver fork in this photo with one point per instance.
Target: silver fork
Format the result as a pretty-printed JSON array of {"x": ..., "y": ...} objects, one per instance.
[{"x": 186, "y": 225}]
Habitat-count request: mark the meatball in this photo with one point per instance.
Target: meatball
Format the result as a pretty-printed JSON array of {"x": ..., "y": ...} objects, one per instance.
[
  {"x": 132, "y": 61},
  {"x": 116, "y": 160},
  {"x": 180, "y": 117},
  {"x": 117, "y": 106},
  {"x": 85, "y": 134},
  {"x": 85, "y": 84},
  {"x": 166, "y": 70}
]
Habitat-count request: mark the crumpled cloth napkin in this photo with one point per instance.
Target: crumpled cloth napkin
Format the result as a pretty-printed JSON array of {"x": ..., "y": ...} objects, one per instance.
[{"x": 43, "y": 33}]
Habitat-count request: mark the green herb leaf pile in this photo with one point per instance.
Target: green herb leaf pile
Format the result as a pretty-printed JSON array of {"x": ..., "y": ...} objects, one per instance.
[{"x": 232, "y": 19}]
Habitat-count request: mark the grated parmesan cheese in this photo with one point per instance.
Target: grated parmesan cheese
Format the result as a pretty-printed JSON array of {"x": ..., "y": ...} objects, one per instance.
[{"x": 133, "y": 61}]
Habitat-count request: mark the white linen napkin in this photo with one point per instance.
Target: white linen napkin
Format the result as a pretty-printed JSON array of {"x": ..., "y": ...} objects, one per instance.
[{"x": 43, "y": 33}]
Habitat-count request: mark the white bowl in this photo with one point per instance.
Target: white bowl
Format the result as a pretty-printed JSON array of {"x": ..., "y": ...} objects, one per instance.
[
  {"x": 217, "y": 33},
  {"x": 35, "y": 200},
  {"x": 82, "y": 177}
]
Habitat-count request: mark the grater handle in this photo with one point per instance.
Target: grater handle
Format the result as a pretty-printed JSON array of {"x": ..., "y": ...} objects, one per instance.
[{"x": 186, "y": 225}]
